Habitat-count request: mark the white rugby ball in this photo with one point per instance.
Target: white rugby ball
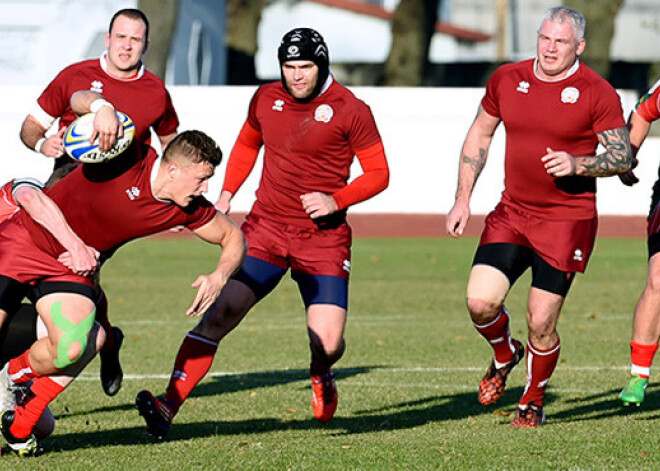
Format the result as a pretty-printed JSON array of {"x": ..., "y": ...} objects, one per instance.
[{"x": 79, "y": 133}]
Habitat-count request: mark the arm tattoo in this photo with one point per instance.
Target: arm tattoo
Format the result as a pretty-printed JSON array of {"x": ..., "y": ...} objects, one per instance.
[
  {"x": 476, "y": 163},
  {"x": 617, "y": 157}
]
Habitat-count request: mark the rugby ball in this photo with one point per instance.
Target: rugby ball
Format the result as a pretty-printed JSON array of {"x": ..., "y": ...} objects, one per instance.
[{"x": 79, "y": 133}]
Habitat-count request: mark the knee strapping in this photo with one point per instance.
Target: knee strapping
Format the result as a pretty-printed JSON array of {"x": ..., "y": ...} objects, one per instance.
[{"x": 72, "y": 333}]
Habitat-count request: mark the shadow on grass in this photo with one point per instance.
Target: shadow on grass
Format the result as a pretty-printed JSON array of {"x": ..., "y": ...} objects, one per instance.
[
  {"x": 402, "y": 415},
  {"x": 607, "y": 404}
]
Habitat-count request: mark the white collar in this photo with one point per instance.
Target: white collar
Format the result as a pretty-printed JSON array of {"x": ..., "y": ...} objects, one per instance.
[
  {"x": 154, "y": 173},
  {"x": 570, "y": 72},
  {"x": 104, "y": 65}
]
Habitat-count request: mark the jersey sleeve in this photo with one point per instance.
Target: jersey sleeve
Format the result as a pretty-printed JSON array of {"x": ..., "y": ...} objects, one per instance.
[
  {"x": 363, "y": 132},
  {"x": 490, "y": 101},
  {"x": 168, "y": 123},
  {"x": 608, "y": 112},
  {"x": 252, "y": 118},
  {"x": 648, "y": 106},
  {"x": 200, "y": 213},
  {"x": 242, "y": 158},
  {"x": 54, "y": 100}
]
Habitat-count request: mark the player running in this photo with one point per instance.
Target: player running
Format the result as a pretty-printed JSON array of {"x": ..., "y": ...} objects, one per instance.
[
  {"x": 311, "y": 128},
  {"x": 555, "y": 111}
]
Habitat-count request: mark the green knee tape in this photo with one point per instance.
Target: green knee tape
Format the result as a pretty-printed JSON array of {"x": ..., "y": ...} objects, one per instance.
[{"x": 72, "y": 333}]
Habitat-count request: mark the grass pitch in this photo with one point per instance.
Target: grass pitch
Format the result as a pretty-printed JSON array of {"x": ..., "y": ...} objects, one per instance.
[{"x": 407, "y": 383}]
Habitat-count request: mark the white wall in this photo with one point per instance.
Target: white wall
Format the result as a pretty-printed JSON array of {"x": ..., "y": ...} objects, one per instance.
[{"x": 422, "y": 128}]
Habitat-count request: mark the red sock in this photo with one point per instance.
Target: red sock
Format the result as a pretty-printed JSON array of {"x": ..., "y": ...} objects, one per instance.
[
  {"x": 20, "y": 369},
  {"x": 193, "y": 361},
  {"x": 540, "y": 365},
  {"x": 641, "y": 357},
  {"x": 44, "y": 390},
  {"x": 499, "y": 337}
]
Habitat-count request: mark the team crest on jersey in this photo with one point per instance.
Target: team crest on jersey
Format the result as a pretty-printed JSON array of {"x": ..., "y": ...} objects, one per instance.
[
  {"x": 97, "y": 86},
  {"x": 346, "y": 266},
  {"x": 578, "y": 255},
  {"x": 133, "y": 193},
  {"x": 523, "y": 87},
  {"x": 570, "y": 95},
  {"x": 278, "y": 106},
  {"x": 323, "y": 113}
]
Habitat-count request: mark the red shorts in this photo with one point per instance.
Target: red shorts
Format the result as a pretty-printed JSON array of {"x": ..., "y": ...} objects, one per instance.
[
  {"x": 23, "y": 261},
  {"x": 563, "y": 244},
  {"x": 306, "y": 250}
]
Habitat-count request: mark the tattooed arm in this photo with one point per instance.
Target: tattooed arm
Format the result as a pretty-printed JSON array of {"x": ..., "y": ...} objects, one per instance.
[
  {"x": 616, "y": 159},
  {"x": 473, "y": 158}
]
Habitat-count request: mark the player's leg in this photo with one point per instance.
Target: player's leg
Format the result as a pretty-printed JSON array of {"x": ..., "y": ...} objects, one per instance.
[
  {"x": 254, "y": 280},
  {"x": 31, "y": 420},
  {"x": 546, "y": 297},
  {"x": 111, "y": 372},
  {"x": 496, "y": 268},
  {"x": 646, "y": 323},
  {"x": 325, "y": 327},
  {"x": 69, "y": 317}
]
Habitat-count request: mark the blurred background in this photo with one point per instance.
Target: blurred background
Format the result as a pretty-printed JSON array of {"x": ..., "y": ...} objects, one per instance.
[{"x": 420, "y": 64}]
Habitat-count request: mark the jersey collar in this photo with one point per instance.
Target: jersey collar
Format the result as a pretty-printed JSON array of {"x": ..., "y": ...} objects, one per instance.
[
  {"x": 104, "y": 65},
  {"x": 574, "y": 68}
]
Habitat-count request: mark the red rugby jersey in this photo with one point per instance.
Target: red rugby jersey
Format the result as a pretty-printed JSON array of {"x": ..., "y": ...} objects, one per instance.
[
  {"x": 307, "y": 146},
  {"x": 648, "y": 106},
  {"x": 143, "y": 98},
  {"x": 565, "y": 116},
  {"x": 108, "y": 212}
]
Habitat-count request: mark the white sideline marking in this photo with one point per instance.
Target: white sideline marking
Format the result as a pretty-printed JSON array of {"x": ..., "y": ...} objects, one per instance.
[{"x": 241, "y": 374}]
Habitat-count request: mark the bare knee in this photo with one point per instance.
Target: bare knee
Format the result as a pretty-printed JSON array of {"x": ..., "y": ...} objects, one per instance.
[{"x": 483, "y": 311}]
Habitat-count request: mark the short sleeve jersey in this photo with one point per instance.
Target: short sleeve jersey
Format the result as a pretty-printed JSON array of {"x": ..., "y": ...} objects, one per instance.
[
  {"x": 9, "y": 206},
  {"x": 565, "y": 115},
  {"x": 143, "y": 98},
  {"x": 307, "y": 146},
  {"x": 106, "y": 213}
]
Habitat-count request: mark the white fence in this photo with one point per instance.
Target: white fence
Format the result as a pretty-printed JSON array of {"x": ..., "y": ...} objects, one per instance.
[{"x": 422, "y": 128}]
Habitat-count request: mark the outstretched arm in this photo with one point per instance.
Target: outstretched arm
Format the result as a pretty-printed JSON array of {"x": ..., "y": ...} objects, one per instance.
[
  {"x": 79, "y": 257},
  {"x": 222, "y": 231},
  {"x": 472, "y": 161}
]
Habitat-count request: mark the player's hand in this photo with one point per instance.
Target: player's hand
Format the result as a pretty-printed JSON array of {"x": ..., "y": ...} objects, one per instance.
[
  {"x": 224, "y": 202},
  {"x": 209, "y": 287},
  {"x": 107, "y": 128},
  {"x": 54, "y": 145},
  {"x": 82, "y": 259},
  {"x": 558, "y": 164},
  {"x": 457, "y": 219},
  {"x": 629, "y": 178},
  {"x": 317, "y": 204}
]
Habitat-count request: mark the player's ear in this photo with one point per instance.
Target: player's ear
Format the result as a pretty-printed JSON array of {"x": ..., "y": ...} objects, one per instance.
[
  {"x": 173, "y": 169},
  {"x": 580, "y": 46},
  {"x": 146, "y": 46},
  {"x": 107, "y": 40}
]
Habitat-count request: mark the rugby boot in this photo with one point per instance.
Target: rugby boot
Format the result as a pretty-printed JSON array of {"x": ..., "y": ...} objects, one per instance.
[
  {"x": 324, "y": 396},
  {"x": 493, "y": 383},
  {"x": 111, "y": 372},
  {"x": 633, "y": 393},
  {"x": 529, "y": 416},
  {"x": 23, "y": 447},
  {"x": 157, "y": 413}
]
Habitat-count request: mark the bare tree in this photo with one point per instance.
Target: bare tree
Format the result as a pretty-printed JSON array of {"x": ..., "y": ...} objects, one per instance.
[
  {"x": 162, "y": 19},
  {"x": 600, "y": 18},
  {"x": 413, "y": 26}
]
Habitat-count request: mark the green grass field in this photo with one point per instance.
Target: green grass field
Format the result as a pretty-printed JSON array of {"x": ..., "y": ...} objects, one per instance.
[{"x": 407, "y": 383}]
